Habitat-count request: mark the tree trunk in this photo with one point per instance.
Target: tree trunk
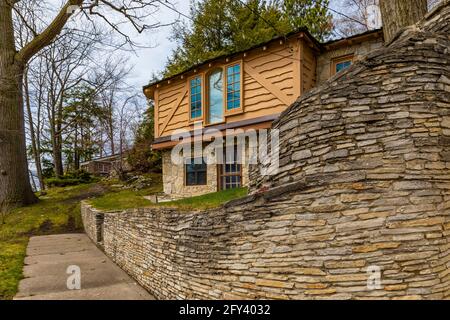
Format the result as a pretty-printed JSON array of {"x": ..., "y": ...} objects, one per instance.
[
  {"x": 76, "y": 158},
  {"x": 15, "y": 188},
  {"x": 57, "y": 156},
  {"x": 59, "y": 139},
  {"x": 397, "y": 14},
  {"x": 34, "y": 146}
]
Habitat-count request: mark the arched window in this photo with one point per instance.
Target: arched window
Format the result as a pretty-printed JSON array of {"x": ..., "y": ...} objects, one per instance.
[{"x": 215, "y": 96}]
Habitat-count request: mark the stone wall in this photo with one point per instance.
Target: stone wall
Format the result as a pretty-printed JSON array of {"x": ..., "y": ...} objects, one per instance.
[
  {"x": 92, "y": 222},
  {"x": 287, "y": 243},
  {"x": 364, "y": 185}
]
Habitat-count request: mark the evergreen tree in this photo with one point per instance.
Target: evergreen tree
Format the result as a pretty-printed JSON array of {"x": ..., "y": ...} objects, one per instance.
[
  {"x": 223, "y": 26},
  {"x": 82, "y": 115},
  {"x": 312, "y": 14},
  {"x": 141, "y": 157}
]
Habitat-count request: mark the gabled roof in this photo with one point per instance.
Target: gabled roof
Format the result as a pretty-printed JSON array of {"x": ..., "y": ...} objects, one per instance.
[
  {"x": 229, "y": 55},
  {"x": 320, "y": 46},
  {"x": 357, "y": 38}
]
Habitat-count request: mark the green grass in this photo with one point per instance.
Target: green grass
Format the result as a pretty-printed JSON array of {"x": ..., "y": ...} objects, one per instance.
[
  {"x": 207, "y": 201},
  {"x": 119, "y": 199},
  {"x": 57, "y": 212},
  {"x": 123, "y": 199},
  {"x": 127, "y": 199}
]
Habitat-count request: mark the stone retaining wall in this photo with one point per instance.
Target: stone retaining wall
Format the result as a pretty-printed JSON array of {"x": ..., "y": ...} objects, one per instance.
[
  {"x": 93, "y": 222},
  {"x": 364, "y": 185},
  {"x": 277, "y": 245}
]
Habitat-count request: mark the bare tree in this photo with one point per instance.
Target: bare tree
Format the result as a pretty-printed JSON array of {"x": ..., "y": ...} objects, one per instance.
[
  {"x": 360, "y": 16},
  {"x": 112, "y": 88},
  {"x": 14, "y": 182}
]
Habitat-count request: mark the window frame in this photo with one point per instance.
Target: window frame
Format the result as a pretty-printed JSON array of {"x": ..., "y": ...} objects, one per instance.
[
  {"x": 241, "y": 84},
  {"x": 202, "y": 97},
  {"x": 222, "y": 174},
  {"x": 186, "y": 173},
  {"x": 337, "y": 60},
  {"x": 206, "y": 94}
]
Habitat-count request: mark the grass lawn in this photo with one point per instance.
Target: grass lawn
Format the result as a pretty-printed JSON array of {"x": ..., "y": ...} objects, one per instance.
[
  {"x": 127, "y": 199},
  {"x": 57, "y": 212},
  {"x": 123, "y": 199}
]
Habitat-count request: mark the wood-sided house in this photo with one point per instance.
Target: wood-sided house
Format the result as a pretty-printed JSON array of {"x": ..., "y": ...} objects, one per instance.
[{"x": 245, "y": 90}]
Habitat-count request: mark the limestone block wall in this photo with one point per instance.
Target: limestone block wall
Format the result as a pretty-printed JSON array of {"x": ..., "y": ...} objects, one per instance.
[
  {"x": 278, "y": 246},
  {"x": 364, "y": 185},
  {"x": 92, "y": 222}
]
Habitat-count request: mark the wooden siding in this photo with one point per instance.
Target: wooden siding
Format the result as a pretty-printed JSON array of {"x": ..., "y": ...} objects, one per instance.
[
  {"x": 308, "y": 67},
  {"x": 273, "y": 77}
]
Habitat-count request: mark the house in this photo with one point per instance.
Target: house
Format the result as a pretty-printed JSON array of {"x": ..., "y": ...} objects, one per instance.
[
  {"x": 104, "y": 166},
  {"x": 245, "y": 90}
]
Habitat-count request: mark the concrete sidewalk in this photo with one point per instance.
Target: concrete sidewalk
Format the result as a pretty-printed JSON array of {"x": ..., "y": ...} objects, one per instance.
[{"x": 45, "y": 272}]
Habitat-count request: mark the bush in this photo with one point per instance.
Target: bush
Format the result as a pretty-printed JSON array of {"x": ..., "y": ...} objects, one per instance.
[
  {"x": 71, "y": 179},
  {"x": 62, "y": 182},
  {"x": 83, "y": 176}
]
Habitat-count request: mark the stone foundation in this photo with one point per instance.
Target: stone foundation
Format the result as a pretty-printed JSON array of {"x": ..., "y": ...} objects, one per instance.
[{"x": 174, "y": 178}]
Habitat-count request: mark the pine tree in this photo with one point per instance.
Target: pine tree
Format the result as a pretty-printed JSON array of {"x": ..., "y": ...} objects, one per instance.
[{"x": 223, "y": 26}]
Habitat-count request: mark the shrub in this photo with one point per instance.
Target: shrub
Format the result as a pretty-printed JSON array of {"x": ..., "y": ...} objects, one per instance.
[
  {"x": 83, "y": 176},
  {"x": 62, "y": 182},
  {"x": 71, "y": 179}
]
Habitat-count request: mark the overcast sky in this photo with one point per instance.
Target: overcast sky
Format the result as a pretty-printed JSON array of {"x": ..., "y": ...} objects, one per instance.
[{"x": 147, "y": 61}]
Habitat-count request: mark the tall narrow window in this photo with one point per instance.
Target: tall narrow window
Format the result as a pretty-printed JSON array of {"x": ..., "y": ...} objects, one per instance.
[
  {"x": 196, "y": 97},
  {"x": 233, "y": 87},
  {"x": 195, "y": 173},
  {"x": 231, "y": 171},
  {"x": 215, "y": 96}
]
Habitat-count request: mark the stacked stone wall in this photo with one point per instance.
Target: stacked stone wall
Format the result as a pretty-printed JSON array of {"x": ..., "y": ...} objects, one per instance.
[{"x": 364, "y": 185}]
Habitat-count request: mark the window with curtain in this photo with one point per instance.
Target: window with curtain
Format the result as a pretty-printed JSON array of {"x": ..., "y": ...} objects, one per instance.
[
  {"x": 215, "y": 96},
  {"x": 234, "y": 87},
  {"x": 196, "y": 97}
]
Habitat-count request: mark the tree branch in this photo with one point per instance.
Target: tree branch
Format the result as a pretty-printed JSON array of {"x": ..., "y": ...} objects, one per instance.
[{"x": 49, "y": 34}]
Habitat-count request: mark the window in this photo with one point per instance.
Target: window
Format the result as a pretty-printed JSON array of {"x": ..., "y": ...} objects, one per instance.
[
  {"x": 231, "y": 171},
  {"x": 215, "y": 96},
  {"x": 196, "y": 97},
  {"x": 233, "y": 87},
  {"x": 195, "y": 172},
  {"x": 341, "y": 64}
]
